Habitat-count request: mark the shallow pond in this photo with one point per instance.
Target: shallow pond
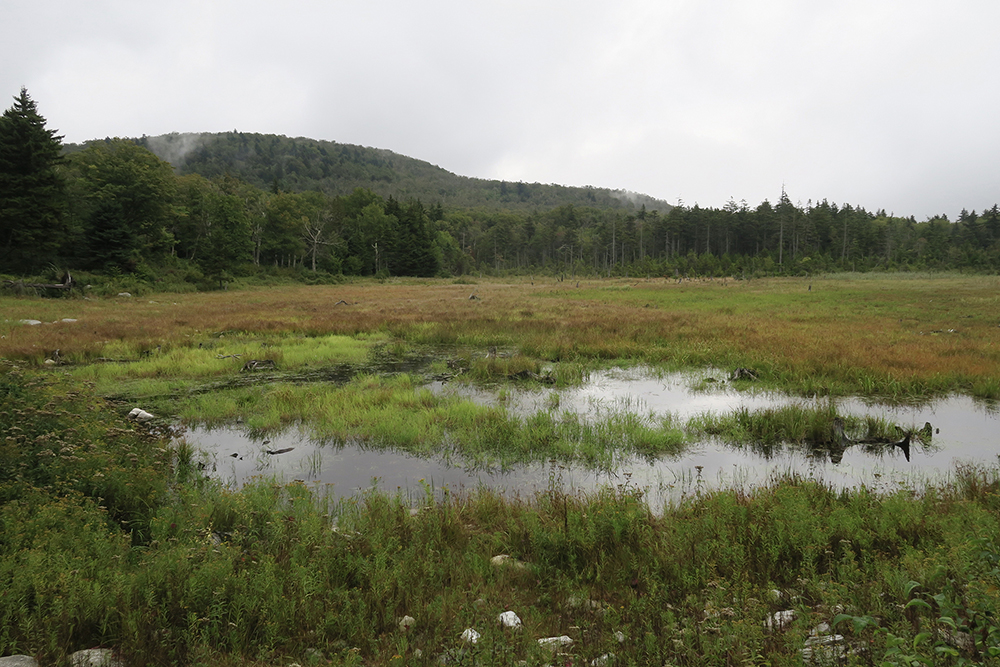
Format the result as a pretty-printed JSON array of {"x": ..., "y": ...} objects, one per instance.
[{"x": 966, "y": 431}]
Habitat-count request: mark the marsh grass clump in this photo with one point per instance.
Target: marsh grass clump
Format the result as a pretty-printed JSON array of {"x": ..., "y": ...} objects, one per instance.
[
  {"x": 494, "y": 368},
  {"x": 795, "y": 423},
  {"x": 220, "y": 357}
]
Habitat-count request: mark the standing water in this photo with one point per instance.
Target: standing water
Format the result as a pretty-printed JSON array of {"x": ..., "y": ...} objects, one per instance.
[{"x": 965, "y": 432}]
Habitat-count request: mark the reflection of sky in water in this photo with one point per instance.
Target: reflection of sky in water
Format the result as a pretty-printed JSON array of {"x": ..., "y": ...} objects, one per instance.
[{"x": 966, "y": 433}]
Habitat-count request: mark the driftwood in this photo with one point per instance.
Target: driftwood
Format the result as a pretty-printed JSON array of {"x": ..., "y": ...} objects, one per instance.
[
  {"x": 258, "y": 364},
  {"x": 20, "y": 286},
  {"x": 528, "y": 375},
  {"x": 841, "y": 442}
]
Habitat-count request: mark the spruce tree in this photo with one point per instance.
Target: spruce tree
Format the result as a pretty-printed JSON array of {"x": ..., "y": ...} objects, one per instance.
[{"x": 32, "y": 191}]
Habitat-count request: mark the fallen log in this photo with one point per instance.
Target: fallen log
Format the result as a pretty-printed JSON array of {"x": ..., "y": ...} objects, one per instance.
[
  {"x": 20, "y": 286},
  {"x": 258, "y": 364},
  {"x": 841, "y": 442}
]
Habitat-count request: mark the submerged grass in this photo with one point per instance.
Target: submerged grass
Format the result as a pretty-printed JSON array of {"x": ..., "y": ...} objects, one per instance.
[
  {"x": 396, "y": 412},
  {"x": 109, "y": 538}
]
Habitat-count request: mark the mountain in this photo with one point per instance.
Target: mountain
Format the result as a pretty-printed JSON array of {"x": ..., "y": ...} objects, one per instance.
[{"x": 271, "y": 161}]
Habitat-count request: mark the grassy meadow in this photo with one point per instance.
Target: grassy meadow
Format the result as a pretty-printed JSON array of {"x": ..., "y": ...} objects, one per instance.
[
  {"x": 111, "y": 534},
  {"x": 887, "y": 336}
]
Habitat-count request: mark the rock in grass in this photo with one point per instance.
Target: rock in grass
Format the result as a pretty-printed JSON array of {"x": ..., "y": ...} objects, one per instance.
[
  {"x": 470, "y": 636},
  {"x": 823, "y": 648},
  {"x": 503, "y": 560},
  {"x": 140, "y": 415},
  {"x": 587, "y": 604},
  {"x": 406, "y": 623},
  {"x": 780, "y": 620},
  {"x": 555, "y": 643},
  {"x": 509, "y": 619},
  {"x": 95, "y": 657},
  {"x": 18, "y": 661}
]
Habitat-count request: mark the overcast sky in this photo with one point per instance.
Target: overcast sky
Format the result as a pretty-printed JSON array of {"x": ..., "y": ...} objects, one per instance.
[{"x": 875, "y": 103}]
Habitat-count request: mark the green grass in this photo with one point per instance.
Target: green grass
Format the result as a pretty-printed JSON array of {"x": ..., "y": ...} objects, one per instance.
[
  {"x": 139, "y": 373},
  {"x": 114, "y": 540},
  {"x": 111, "y": 535}
]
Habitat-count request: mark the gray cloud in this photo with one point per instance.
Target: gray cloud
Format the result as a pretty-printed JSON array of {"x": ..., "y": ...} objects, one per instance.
[{"x": 879, "y": 103}]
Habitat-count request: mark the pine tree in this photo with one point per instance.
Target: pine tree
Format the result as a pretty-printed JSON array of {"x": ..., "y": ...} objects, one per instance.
[{"x": 32, "y": 191}]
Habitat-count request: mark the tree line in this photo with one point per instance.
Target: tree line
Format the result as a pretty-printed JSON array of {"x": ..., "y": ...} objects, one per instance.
[{"x": 114, "y": 206}]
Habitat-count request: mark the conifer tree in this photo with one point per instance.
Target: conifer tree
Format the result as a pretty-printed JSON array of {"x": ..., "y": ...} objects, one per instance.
[{"x": 32, "y": 191}]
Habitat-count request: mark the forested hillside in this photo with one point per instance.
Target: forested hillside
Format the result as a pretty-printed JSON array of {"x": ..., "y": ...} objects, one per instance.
[
  {"x": 234, "y": 204},
  {"x": 279, "y": 163}
]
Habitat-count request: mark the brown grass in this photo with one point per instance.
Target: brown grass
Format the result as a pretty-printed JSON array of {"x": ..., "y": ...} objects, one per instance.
[{"x": 942, "y": 329}]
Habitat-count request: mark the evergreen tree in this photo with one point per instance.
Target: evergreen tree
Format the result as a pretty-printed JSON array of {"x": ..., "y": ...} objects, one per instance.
[
  {"x": 414, "y": 253},
  {"x": 32, "y": 191},
  {"x": 129, "y": 195}
]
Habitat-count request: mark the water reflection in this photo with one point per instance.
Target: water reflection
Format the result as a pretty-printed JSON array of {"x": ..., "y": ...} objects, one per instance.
[{"x": 964, "y": 431}]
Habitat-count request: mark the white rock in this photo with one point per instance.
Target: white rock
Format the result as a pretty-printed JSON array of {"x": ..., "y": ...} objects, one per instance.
[
  {"x": 575, "y": 602},
  {"x": 555, "y": 643},
  {"x": 406, "y": 623},
  {"x": 140, "y": 415},
  {"x": 821, "y": 629},
  {"x": 18, "y": 661},
  {"x": 124, "y": 294},
  {"x": 95, "y": 657},
  {"x": 825, "y": 650},
  {"x": 31, "y": 323},
  {"x": 503, "y": 560},
  {"x": 603, "y": 661},
  {"x": 470, "y": 636},
  {"x": 68, "y": 319},
  {"x": 824, "y": 640},
  {"x": 509, "y": 619},
  {"x": 780, "y": 620},
  {"x": 620, "y": 636}
]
